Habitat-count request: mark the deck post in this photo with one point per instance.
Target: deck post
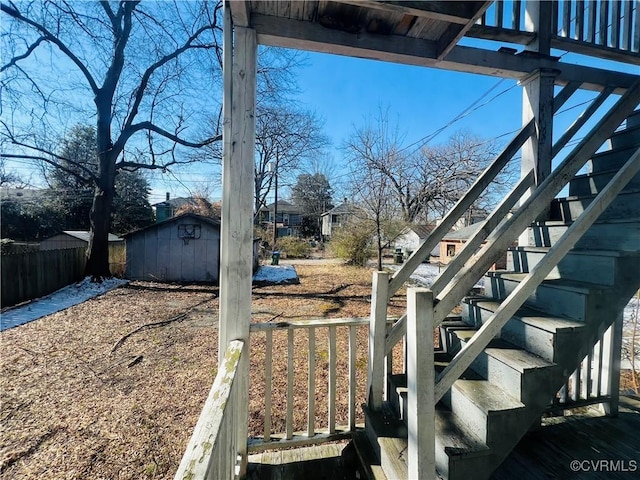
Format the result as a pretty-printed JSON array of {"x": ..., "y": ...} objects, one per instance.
[
  {"x": 537, "y": 101},
  {"x": 377, "y": 333},
  {"x": 420, "y": 384},
  {"x": 236, "y": 234},
  {"x": 612, "y": 345}
]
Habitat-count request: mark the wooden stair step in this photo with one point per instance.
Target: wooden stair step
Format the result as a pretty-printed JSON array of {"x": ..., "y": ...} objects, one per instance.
[
  {"x": 486, "y": 396},
  {"x": 530, "y": 316},
  {"x": 369, "y": 465}
]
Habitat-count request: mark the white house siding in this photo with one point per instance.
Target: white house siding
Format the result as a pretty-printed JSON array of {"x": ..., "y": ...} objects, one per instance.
[
  {"x": 157, "y": 253},
  {"x": 408, "y": 241}
]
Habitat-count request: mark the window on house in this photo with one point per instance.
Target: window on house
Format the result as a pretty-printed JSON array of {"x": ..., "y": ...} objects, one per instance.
[
  {"x": 334, "y": 218},
  {"x": 451, "y": 250}
]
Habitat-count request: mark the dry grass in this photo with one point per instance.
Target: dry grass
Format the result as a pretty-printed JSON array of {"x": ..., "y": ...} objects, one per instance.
[{"x": 72, "y": 408}]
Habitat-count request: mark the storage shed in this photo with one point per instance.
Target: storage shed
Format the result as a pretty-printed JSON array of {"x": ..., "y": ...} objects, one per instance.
[
  {"x": 185, "y": 248},
  {"x": 412, "y": 236}
]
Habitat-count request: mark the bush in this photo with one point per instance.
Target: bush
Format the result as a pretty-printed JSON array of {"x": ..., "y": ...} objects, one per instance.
[
  {"x": 353, "y": 243},
  {"x": 294, "y": 247}
]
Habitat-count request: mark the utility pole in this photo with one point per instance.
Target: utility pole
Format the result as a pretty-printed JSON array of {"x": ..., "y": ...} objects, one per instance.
[{"x": 275, "y": 204}]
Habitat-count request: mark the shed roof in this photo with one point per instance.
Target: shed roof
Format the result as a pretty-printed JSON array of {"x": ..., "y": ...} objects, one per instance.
[
  {"x": 84, "y": 235},
  {"x": 214, "y": 222},
  {"x": 422, "y": 230},
  {"x": 464, "y": 233}
]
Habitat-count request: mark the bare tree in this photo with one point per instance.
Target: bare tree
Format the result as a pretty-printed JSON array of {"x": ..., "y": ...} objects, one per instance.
[
  {"x": 427, "y": 180},
  {"x": 373, "y": 155},
  {"x": 131, "y": 66},
  {"x": 285, "y": 136}
]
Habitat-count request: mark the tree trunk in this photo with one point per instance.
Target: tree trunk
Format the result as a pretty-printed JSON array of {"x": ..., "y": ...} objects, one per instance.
[{"x": 100, "y": 218}]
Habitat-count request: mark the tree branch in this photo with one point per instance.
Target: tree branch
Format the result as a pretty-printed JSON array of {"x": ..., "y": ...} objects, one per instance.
[
  {"x": 50, "y": 37},
  {"x": 129, "y": 132},
  {"x": 29, "y": 51},
  {"x": 144, "y": 81}
]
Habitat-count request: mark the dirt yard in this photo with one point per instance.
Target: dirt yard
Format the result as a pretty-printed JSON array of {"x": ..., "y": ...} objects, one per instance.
[{"x": 112, "y": 388}]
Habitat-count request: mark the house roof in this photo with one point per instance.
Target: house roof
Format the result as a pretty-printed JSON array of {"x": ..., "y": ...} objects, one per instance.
[
  {"x": 84, "y": 236},
  {"x": 174, "y": 202},
  {"x": 214, "y": 222},
  {"x": 464, "y": 233},
  {"x": 422, "y": 231},
  {"x": 283, "y": 207},
  {"x": 344, "y": 207}
]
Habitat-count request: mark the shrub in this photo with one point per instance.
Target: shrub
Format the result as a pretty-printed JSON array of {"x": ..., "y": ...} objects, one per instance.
[
  {"x": 353, "y": 243},
  {"x": 294, "y": 247}
]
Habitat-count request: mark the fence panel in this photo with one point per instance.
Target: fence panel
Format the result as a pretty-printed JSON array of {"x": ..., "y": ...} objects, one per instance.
[{"x": 26, "y": 276}]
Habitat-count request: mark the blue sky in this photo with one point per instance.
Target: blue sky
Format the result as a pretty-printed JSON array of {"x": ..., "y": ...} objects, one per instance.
[{"x": 346, "y": 91}]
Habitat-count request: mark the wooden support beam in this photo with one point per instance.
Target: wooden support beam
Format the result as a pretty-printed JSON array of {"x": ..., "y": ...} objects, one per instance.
[
  {"x": 453, "y": 34},
  {"x": 240, "y": 12},
  {"x": 421, "y": 462},
  {"x": 537, "y": 105},
  {"x": 612, "y": 344},
  {"x": 446, "y": 11},
  {"x": 377, "y": 333},
  {"x": 281, "y": 32},
  {"x": 236, "y": 231}
]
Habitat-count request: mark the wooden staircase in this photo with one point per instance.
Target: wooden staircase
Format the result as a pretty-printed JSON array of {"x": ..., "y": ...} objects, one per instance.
[{"x": 516, "y": 378}]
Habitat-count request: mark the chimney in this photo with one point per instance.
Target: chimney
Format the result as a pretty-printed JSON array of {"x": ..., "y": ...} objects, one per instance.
[
  {"x": 168, "y": 196},
  {"x": 345, "y": 199}
]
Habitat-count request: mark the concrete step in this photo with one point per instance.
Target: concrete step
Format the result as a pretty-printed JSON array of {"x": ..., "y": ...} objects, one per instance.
[
  {"x": 623, "y": 235},
  {"x": 628, "y": 137},
  {"x": 593, "y": 183},
  {"x": 626, "y": 205},
  {"x": 459, "y": 452},
  {"x": 518, "y": 373},
  {"x": 611, "y": 266},
  {"x": 609, "y": 160},
  {"x": 562, "y": 298},
  {"x": 551, "y": 338}
]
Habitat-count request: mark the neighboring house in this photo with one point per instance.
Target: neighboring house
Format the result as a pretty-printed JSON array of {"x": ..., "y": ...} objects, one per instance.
[
  {"x": 336, "y": 217},
  {"x": 412, "y": 236},
  {"x": 289, "y": 219},
  {"x": 167, "y": 209},
  {"x": 455, "y": 241},
  {"x": 74, "y": 239},
  {"x": 23, "y": 195},
  {"x": 185, "y": 248}
]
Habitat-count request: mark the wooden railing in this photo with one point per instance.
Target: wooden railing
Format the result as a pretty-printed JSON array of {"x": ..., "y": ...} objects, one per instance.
[
  {"x": 213, "y": 449},
  {"x": 604, "y": 28},
  {"x": 328, "y": 427},
  {"x": 450, "y": 291},
  {"x": 384, "y": 288},
  {"x": 597, "y": 378}
]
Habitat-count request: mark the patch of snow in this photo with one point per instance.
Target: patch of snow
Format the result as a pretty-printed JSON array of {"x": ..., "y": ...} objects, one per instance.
[
  {"x": 59, "y": 300},
  {"x": 276, "y": 275},
  {"x": 427, "y": 273}
]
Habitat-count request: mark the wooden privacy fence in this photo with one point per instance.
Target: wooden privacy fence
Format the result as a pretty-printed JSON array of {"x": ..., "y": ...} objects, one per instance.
[{"x": 26, "y": 276}]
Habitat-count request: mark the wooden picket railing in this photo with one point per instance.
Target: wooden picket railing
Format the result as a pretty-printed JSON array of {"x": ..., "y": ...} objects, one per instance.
[
  {"x": 329, "y": 430},
  {"x": 212, "y": 451},
  {"x": 473, "y": 265},
  {"x": 604, "y": 28},
  {"x": 597, "y": 378}
]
